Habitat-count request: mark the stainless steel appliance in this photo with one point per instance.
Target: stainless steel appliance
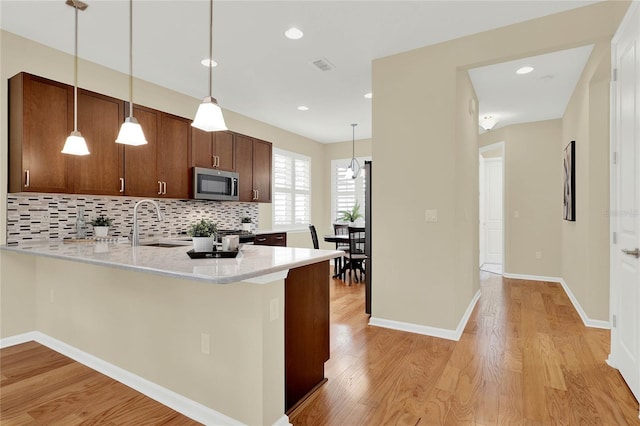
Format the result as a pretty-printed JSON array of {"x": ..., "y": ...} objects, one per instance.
[
  {"x": 211, "y": 184},
  {"x": 367, "y": 246}
]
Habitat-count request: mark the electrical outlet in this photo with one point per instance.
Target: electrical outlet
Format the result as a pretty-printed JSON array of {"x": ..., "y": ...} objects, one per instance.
[
  {"x": 274, "y": 310},
  {"x": 205, "y": 343},
  {"x": 52, "y": 297},
  {"x": 538, "y": 255},
  {"x": 431, "y": 215}
]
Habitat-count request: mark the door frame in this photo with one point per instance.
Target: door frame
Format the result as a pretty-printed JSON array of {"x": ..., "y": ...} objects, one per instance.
[
  {"x": 502, "y": 146},
  {"x": 614, "y": 252}
]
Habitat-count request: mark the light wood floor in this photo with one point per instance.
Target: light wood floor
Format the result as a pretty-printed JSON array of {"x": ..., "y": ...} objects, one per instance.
[
  {"x": 524, "y": 359},
  {"x": 41, "y": 387}
]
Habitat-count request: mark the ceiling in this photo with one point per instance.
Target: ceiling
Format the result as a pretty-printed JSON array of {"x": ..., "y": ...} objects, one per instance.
[{"x": 262, "y": 74}]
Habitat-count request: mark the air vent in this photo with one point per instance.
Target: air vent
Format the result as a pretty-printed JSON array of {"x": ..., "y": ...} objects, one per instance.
[{"x": 323, "y": 64}]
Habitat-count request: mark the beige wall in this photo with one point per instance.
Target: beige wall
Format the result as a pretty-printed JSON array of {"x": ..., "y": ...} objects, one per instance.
[
  {"x": 585, "y": 242},
  {"x": 533, "y": 189},
  {"x": 414, "y": 136}
]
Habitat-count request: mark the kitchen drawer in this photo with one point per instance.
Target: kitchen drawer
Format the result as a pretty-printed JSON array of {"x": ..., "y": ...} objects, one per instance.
[{"x": 272, "y": 239}]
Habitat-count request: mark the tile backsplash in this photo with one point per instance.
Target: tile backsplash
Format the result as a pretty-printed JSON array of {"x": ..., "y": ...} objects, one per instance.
[{"x": 41, "y": 217}]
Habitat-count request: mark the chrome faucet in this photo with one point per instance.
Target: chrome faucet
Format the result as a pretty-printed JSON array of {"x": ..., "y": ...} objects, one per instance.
[{"x": 135, "y": 238}]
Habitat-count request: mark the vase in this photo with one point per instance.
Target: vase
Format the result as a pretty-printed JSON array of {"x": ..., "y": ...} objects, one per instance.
[
  {"x": 246, "y": 227},
  {"x": 203, "y": 244},
  {"x": 100, "y": 231}
]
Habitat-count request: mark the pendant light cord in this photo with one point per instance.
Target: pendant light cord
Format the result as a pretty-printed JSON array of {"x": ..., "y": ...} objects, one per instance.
[
  {"x": 210, "y": 47},
  {"x": 130, "y": 58},
  {"x": 75, "y": 77},
  {"x": 353, "y": 141}
]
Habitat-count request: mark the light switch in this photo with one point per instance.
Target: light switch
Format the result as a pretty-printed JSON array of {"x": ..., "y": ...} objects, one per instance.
[
  {"x": 516, "y": 213},
  {"x": 431, "y": 215}
]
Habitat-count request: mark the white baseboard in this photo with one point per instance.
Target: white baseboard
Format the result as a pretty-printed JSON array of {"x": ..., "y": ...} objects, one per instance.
[
  {"x": 283, "y": 421},
  {"x": 173, "y": 400},
  {"x": 583, "y": 315},
  {"x": 442, "y": 333}
]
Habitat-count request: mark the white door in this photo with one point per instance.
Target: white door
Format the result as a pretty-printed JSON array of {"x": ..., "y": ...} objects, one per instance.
[
  {"x": 481, "y": 209},
  {"x": 625, "y": 201},
  {"x": 493, "y": 210}
]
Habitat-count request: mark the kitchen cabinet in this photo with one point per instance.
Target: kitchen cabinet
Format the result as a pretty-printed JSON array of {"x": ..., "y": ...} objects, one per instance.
[
  {"x": 213, "y": 149},
  {"x": 99, "y": 120},
  {"x": 271, "y": 239},
  {"x": 306, "y": 331},
  {"x": 173, "y": 156},
  {"x": 40, "y": 119},
  {"x": 254, "y": 167},
  {"x": 161, "y": 167}
]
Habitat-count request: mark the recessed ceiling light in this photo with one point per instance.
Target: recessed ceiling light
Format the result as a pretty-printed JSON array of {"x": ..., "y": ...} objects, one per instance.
[
  {"x": 209, "y": 63},
  {"x": 368, "y": 95},
  {"x": 293, "y": 33},
  {"x": 303, "y": 108},
  {"x": 524, "y": 70}
]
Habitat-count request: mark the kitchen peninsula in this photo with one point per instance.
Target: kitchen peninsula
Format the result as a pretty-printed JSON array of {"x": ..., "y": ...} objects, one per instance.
[{"x": 214, "y": 338}]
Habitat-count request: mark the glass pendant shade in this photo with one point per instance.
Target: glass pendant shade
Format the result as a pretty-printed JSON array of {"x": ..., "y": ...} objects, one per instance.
[
  {"x": 75, "y": 145},
  {"x": 131, "y": 133},
  {"x": 209, "y": 116}
]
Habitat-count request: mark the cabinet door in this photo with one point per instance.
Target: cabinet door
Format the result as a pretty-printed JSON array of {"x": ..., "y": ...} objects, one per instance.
[
  {"x": 201, "y": 148},
  {"x": 99, "y": 120},
  {"x": 140, "y": 168},
  {"x": 262, "y": 170},
  {"x": 40, "y": 118},
  {"x": 225, "y": 150},
  {"x": 173, "y": 155},
  {"x": 244, "y": 167}
]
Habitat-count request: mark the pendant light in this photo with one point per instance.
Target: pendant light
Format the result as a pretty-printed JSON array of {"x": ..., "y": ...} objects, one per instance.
[
  {"x": 354, "y": 165},
  {"x": 75, "y": 143},
  {"x": 131, "y": 131},
  {"x": 209, "y": 115}
]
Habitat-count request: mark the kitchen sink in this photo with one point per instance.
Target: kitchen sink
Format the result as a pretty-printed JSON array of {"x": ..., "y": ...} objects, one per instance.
[{"x": 166, "y": 245}]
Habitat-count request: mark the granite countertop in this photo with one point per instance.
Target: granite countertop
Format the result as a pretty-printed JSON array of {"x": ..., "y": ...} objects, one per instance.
[{"x": 251, "y": 263}]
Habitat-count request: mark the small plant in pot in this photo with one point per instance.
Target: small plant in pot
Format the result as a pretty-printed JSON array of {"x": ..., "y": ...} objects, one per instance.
[
  {"x": 246, "y": 223},
  {"x": 351, "y": 215},
  {"x": 101, "y": 225},
  {"x": 203, "y": 235}
]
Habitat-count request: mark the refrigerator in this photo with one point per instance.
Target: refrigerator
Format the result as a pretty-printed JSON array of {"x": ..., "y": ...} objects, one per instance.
[{"x": 367, "y": 248}]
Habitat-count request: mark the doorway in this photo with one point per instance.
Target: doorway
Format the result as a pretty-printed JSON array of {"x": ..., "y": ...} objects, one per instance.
[{"x": 491, "y": 208}]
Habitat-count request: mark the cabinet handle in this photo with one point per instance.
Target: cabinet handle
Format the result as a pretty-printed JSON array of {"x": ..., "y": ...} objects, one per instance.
[
  {"x": 261, "y": 240},
  {"x": 257, "y": 194},
  {"x": 121, "y": 184},
  {"x": 213, "y": 161},
  {"x": 159, "y": 188},
  {"x": 279, "y": 237},
  {"x": 164, "y": 188},
  {"x": 27, "y": 179},
  {"x": 217, "y": 161}
]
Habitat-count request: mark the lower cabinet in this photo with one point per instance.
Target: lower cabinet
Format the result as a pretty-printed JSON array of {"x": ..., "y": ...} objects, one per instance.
[
  {"x": 306, "y": 331},
  {"x": 273, "y": 239}
]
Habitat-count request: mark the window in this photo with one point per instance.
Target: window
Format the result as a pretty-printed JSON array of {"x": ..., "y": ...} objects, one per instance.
[
  {"x": 346, "y": 191},
  {"x": 291, "y": 190}
]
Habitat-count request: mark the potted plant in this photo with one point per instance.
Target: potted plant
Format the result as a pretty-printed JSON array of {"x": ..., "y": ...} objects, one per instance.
[
  {"x": 101, "y": 225},
  {"x": 246, "y": 223},
  {"x": 203, "y": 235},
  {"x": 351, "y": 215}
]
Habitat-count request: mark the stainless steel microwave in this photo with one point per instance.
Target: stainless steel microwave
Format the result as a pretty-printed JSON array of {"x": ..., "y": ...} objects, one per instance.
[{"x": 211, "y": 184}]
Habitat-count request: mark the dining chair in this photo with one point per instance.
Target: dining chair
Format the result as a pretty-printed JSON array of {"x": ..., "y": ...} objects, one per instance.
[
  {"x": 340, "y": 229},
  {"x": 314, "y": 237},
  {"x": 356, "y": 255}
]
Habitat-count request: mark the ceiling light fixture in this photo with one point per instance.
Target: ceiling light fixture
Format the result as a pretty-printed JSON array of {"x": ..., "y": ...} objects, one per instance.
[
  {"x": 209, "y": 63},
  {"x": 488, "y": 122},
  {"x": 303, "y": 108},
  {"x": 524, "y": 70},
  {"x": 209, "y": 115},
  {"x": 293, "y": 33},
  {"x": 75, "y": 143},
  {"x": 354, "y": 166},
  {"x": 368, "y": 95},
  {"x": 131, "y": 131}
]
